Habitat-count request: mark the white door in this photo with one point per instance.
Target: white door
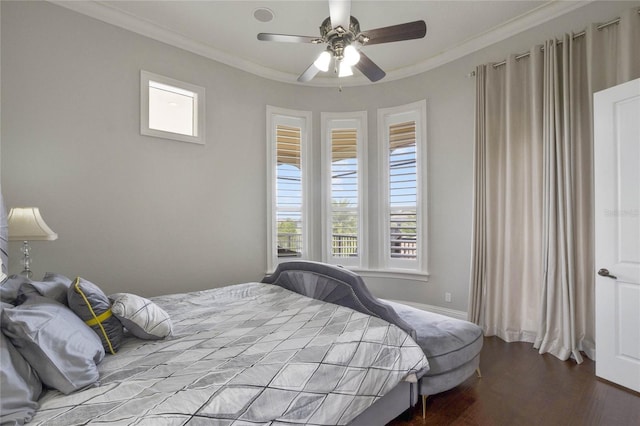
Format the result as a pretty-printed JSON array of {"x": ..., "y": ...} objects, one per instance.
[{"x": 617, "y": 237}]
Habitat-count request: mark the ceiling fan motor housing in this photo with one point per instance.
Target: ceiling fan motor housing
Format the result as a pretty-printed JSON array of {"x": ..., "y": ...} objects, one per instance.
[{"x": 338, "y": 38}]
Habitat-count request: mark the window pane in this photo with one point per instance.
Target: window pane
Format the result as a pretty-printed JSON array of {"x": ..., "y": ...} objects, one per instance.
[
  {"x": 288, "y": 191},
  {"x": 403, "y": 195},
  {"x": 171, "y": 109},
  {"x": 344, "y": 193}
]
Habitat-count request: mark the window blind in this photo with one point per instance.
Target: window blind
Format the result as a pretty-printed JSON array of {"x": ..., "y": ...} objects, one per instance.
[
  {"x": 289, "y": 190},
  {"x": 344, "y": 193},
  {"x": 403, "y": 190}
]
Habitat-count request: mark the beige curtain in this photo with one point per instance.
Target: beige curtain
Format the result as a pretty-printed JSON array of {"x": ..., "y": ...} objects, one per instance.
[{"x": 532, "y": 275}]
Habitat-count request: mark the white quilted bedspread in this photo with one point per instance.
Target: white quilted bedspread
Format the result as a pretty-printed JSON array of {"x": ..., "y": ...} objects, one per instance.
[{"x": 246, "y": 354}]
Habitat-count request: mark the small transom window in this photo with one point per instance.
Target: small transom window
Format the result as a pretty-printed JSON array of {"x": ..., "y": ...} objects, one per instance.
[{"x": 171, "y": 109}]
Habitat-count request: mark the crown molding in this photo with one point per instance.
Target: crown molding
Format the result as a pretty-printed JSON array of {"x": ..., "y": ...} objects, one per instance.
[
  {"x": 535, "y": 17},
  {"x": 104, "y": 12},
  {"x": 110, "y": 15}
]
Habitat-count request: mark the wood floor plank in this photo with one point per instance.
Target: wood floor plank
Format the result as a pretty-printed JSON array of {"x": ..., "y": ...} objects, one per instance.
[{"x": 520, "y": 387}]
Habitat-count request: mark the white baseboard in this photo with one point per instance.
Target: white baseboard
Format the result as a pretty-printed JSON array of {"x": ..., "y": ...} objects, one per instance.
[{"x": 435, "y": 309}]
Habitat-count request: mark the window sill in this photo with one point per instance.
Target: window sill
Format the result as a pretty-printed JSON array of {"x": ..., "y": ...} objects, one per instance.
[{"x": 398, "y": 274}]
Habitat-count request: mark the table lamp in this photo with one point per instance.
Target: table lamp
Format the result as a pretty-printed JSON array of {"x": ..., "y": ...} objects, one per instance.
[{"x": 26, "y": 224}]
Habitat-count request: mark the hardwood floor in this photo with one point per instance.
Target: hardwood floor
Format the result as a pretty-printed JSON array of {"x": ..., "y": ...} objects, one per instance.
[{"x": 519, "y": 387}]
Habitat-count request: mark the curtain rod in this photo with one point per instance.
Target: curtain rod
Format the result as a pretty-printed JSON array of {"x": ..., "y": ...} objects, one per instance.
[{"x": 580, "y": 34}]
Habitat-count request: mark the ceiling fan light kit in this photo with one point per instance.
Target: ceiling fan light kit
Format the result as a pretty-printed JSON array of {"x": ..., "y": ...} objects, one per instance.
[
  {"x": 345, "y": 70},
  {"x": 344, "y": 44},
  {"x": 323, "y": 61},
  {"x": 351, "y": 55}
]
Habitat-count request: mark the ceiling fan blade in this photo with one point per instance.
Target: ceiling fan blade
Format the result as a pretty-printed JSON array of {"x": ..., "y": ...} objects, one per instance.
[
  {"x": 308, "y": 74},
  {"x": 408, "y": 31},
  {"x": 288, "y": 38},
  {"x": 340, "y": 13},
  {"x": 369, "y": 68}
]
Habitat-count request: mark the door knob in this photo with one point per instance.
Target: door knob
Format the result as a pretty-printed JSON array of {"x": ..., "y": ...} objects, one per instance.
[{"x": 605, "y": 273}]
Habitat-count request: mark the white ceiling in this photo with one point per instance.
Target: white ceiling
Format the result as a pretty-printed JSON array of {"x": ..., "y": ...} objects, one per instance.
[{"x": 226, "y": 30}]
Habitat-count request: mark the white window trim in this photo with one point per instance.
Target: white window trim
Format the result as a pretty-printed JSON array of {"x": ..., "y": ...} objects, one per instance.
[
  {"x": 199, "y": 115},
  {"x": 287, "y": 116},
  {"x": 393, "y": 274},
  {"x": 330, "y": 121},
  {"x": 387, "y": 116}
]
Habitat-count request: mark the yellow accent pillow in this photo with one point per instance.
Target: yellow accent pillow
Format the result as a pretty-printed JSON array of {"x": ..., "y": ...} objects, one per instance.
[{"x": 93, "y": 307}]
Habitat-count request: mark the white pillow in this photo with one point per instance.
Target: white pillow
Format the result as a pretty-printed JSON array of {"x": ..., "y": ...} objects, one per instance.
[{"x": 143, "y": 318}]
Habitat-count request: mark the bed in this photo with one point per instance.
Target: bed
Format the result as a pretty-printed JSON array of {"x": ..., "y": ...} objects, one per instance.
[{"x": 308, "y": 345}]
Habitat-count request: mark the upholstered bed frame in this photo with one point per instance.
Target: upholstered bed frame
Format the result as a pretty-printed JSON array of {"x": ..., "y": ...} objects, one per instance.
[{"x": 334, "y": 285}]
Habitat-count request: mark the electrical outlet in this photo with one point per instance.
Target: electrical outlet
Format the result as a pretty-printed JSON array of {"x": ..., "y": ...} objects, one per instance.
[{"x": 447, "y": 297}]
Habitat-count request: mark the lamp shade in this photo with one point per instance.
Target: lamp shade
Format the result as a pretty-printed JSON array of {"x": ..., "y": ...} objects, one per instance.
[{"x": 26, "y": 224}]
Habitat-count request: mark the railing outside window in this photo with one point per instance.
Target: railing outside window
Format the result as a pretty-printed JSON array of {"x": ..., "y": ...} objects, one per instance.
[
  {"x": 344, "y": 245},
  {"x": 289, "y": 245},
  {"x": 402, "y": 245}
]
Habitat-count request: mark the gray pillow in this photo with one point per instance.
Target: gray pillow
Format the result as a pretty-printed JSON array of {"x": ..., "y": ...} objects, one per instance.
[
  {"x": 17, "y": 288},
  {"x": 9, "y": 288},
  {"x": 21, "y": 386},
  {"x": 143, "y": 318},
  {"x": 93, "y": 307},
  {"x": 54, "y": 286},
  {"x": 58, "y": 345}
]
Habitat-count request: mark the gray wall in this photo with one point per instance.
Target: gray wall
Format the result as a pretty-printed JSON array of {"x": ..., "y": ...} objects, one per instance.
[{"x": 152, "y": 216}]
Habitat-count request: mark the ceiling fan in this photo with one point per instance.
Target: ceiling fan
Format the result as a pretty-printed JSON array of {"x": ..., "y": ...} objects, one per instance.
[{"x": 341, "y": 32}]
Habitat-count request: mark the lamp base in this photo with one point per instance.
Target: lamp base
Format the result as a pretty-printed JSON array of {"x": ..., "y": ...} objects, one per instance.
[{"x": 26, "y": 260}]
